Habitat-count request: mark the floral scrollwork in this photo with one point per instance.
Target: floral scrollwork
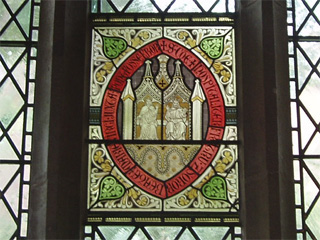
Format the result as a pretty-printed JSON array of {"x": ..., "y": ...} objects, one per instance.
[{"x": 224, "y": 162}]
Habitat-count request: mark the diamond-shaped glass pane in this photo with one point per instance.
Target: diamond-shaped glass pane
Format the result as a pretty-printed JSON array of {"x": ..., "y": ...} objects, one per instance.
[
  {"x": 211, "y": 232},
  {"x": 187, "y": 235},
  {"x": 163, "y": 233},
  {"x": 139, "y": 235},
  {"x": 12, "y": 195},
  {"x": 7, "y": 224},
  {"x": 16, "y": 131},
  {"x": 116, "y": 232},
  {"x": 12, "y": 33},
  {"x": 310, "y": 190},
  {"x": 14, "y": 4},
  {"x": 311, "y": 95},
  {"x": 120, "y": 4},
  {"x": 141, "y": 6},
  {"x": 6, "y": 173},
  {"x": 24, "y": 18},
  {"x": 11, "y": 54},
  {"x": 10, "y": 102},
  {"x": 313, "y": 220},
  {"x": 163, "y": 4},
  {"x": 184, "y": 6}
]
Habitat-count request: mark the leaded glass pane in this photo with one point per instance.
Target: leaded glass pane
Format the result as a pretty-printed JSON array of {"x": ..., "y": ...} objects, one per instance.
[
  {"x": 303, "y": 19},
  {"x": 19, "y": 21},
  {"x": 157, "y": 6}
]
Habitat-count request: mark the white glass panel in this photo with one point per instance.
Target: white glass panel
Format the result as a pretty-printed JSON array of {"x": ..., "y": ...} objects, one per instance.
[
  {"x": 116, "y": 232},
  {"x": 7, "y": 224},
  {"x": 163, "y": 233}
]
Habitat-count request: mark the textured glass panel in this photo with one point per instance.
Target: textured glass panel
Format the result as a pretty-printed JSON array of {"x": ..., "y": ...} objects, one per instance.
[
  {"x": 24, "y": 18},
  {"x": 7, "y": 224},
  {"x": 11, "y": 54},
  {"x": 19, "y": 74},
  {"x": 142, "y": 6},
  {"x": 9, "y": 103},
  {"x": 300, "y": 13},
  {"x": 14, "y": 4},
  {"x": 220, "y": 7},
  {"x": 4, "y": 15},
  {"x": 105, "y": 7},
  {"x": 115, "y": 232},
  {"x": 12, "y": 33},
  {"x": 310, "y": 190},
  {"x": 163, "y": 4},
  {"x": 314, "y": 167},
  {"x": 139, "y": 235},
  {"x": 311, "y": 28},
  {"x": 187, "y": 235},
  {"x": 211, "y": 232},
  {"x": 120, "y": 4},
  {"x": 12, "y": 195},
  {"x": 314, "y": 147},
  {"x": 163, "y": 232},
  {"x": 313, "y": 220},
  {"x": 307, "y": 128},
  {"x": 309, "y": 48},
  {"x": 184, "y": 6},
  {"x": 6, "y": 151},
  {"x": 15, "y": 132},
  {"x": 6, "y": 173},
  {"x": 311, "y": 95},
  {"x": 303, "y": 69}
]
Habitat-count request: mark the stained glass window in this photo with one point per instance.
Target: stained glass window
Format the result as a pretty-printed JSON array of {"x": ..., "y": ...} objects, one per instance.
[
  {"x": 19, "y": 21},
  {"x": 304, "y": 46},
  {"x": 162, "y": 128}
]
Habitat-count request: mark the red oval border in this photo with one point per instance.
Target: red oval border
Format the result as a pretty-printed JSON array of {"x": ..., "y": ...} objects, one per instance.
[{"x": 205, "y": 156}]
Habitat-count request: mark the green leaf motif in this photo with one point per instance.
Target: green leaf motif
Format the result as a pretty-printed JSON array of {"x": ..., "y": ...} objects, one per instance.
[
  {"x": 111, "y": 188},
  {"x": 113, "y": 46},
  {"x": 213, "y": 46},
  {"x": 215, "y": 189}
]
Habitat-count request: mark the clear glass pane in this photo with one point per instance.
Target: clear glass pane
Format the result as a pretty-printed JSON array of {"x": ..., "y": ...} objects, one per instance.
[
  {"x": 116, "y": 232},
  {"x": 313, "y": 220},
  {"x": 163, "y": 233},
  {"x": 10, "y": 102},
  {"x": 187, "y": 235},
  {"x": 11, "y": 54},
  {"x": 24, "y": 18},
  {"x": 139, "y": 236},
  {"x": 12, "y": 195},
  {"x": 6, "y": 173},
  {"x": 184, "y": 6},
  {"x": 141, "y": 6},
  {"x": 16, "y": 131},
  {"x": 12, "y": 33},
  {"x": 7, "y": 224},
  {"x": 211, "y": 232},
  {"x": 14, "y": 4}
]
